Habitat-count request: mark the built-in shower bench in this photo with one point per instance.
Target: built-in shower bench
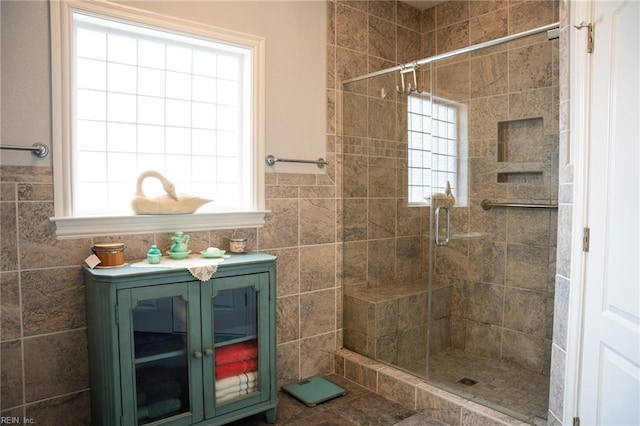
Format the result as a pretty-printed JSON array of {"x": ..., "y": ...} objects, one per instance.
[
  {"x": 388, "y": 292},
  {"x": 389, "y": 322}
]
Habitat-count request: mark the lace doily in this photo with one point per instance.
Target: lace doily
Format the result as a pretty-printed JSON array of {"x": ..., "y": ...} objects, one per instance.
[
  {"x": 200, "y": 268},
  {"x": 203, "y": 273}
]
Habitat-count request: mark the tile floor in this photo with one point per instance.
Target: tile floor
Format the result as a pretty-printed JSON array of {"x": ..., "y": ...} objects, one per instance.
[
  {"x": 520, "y": 393},
  {"x": 359, "y": 407}
]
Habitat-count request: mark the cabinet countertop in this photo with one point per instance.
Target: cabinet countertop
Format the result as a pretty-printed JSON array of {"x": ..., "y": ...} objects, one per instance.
[{"x": 233, "y": 260}]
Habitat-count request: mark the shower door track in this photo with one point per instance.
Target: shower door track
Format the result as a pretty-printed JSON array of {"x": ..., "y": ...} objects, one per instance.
[{"x": 415, "y": 64}]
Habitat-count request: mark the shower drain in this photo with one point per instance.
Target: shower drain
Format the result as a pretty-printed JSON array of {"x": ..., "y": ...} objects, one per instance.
[{"x": 467, "y": 381}]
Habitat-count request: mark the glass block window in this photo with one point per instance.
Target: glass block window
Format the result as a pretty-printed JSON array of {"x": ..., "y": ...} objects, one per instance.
[
  {"x": 434, "y": 137},
  {"x": 148, "y": 99}
]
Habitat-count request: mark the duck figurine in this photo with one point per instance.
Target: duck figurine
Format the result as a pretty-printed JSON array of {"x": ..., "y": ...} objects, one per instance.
[
  {"x": 170, "y": 203},
  {"x": 446, "y": 199}
]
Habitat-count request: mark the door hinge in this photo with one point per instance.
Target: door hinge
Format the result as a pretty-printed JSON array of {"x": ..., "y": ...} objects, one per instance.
[
  {"x": 585, "y": 239},
  {"x": 589, "y": 27},
  {"x": 576, "y": 421},
  {"x": 117, "y": 313}
]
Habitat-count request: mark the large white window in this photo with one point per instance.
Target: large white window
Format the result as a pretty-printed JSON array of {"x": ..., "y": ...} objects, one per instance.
[
  {"x": 437, "y": 148},
  {"x": 138, "y": 91}
]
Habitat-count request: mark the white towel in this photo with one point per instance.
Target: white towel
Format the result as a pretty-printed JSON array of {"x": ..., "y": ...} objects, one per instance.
[
  {"x": 236, "y": 380},
  {"x": 226, "y": 398},
  {"x": 237, "y": 391},
  {"x": 236, "y": 388},
  {"x": 230, "y": 388}
]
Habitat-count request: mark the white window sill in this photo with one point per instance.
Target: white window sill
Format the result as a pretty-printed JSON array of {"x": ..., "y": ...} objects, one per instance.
[{"x": 89, "y": 226}]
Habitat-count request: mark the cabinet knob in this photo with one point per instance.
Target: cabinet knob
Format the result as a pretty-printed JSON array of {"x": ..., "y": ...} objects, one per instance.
[
  {"x": 208, "y": 351},
  {"x": 197, "y": 354}
]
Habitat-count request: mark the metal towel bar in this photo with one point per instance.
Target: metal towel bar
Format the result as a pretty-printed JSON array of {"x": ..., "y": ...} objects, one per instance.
[
  {"x": 487, "y": 204},
  {"x": 38, "y": 149},
  {"x": 271, "y": 160}
]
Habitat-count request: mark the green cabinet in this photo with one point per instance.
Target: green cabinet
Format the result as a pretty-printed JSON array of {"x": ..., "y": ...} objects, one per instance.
[{"x": 168, "y": 349}]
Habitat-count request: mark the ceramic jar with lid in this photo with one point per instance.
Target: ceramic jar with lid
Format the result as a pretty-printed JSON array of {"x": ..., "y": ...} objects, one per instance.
[
  {"x": 238, "y": 245},
  {"x": 154, "y": 255}
]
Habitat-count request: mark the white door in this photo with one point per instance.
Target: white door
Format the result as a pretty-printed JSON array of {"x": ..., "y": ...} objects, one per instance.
[{"x": 610, "y": 377}]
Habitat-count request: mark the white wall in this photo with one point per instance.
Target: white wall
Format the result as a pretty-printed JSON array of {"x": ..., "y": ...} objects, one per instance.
[
  {"x": 295, "y": 34},
  {"x": 25, "y": 80}
]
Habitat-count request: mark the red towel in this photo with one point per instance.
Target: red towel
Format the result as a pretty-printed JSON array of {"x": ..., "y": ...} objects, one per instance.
[
  {"x": 235, "y": 368},
  {"x": 237, "y": 352}
]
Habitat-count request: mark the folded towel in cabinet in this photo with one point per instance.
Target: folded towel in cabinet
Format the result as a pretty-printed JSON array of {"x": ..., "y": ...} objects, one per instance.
[
  {"x": 241, "y": 379},
  {"x": 235, "y": 368},
  {"x": 236, "y": 352},
  {"x": 229, "y": 388},
  {"x": 237, "y": 390},
  {"x": 231, "y": 396}
]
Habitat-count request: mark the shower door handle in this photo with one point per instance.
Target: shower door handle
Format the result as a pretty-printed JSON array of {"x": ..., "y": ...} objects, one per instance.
[{"x": 447, "y": 232}]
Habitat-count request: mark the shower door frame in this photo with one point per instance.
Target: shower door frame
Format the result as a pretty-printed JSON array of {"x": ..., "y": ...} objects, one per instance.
[{"x": 551, "y": 29}]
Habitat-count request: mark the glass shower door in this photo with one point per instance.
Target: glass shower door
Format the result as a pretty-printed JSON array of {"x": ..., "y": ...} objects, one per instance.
[
  {"x": 492, "y": 291},
  {"x": 385, "y": 224},
  {"x": 437, "y": 179},
  {"x": 404, "y": 163}
]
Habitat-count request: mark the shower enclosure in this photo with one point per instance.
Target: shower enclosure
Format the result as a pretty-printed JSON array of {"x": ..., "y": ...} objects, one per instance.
[{"x": 450, "y": 170}]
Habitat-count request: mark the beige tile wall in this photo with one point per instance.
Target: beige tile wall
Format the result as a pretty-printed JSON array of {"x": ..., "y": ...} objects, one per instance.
[
  {"x": 563, "y": 257},
  {"x": 44, "y": 361}
]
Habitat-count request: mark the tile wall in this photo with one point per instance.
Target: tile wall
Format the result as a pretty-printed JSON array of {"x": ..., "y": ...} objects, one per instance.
[
  {"x": 565, "y": 212},
  {"x": 44, "y": 361}
]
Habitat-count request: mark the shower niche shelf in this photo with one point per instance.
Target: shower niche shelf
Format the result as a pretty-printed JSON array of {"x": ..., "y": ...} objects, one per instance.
[
  {"x": 520, "y": 149},
  {"x": 520, "y": 172}
]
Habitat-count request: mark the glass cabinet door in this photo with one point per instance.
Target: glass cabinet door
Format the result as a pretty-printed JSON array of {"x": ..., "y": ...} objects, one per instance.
[
  {"x": 158, "y": 332},
  {"x": 233, "y": 311},
  {"x": 235, "y": 334}
]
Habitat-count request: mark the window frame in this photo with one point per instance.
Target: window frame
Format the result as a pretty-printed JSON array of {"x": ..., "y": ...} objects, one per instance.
[{"x": 68, "y": 226}]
